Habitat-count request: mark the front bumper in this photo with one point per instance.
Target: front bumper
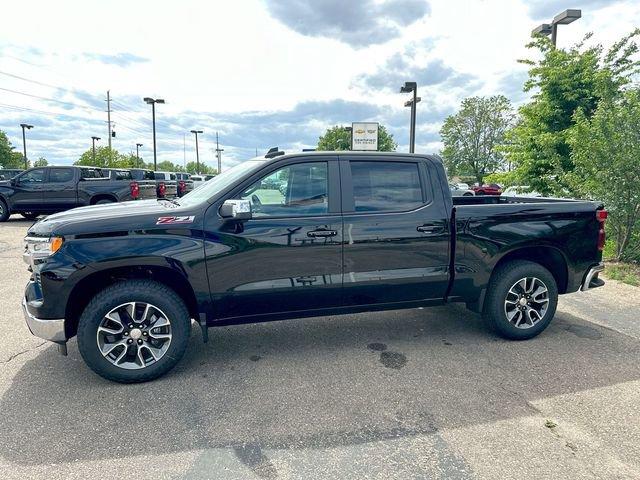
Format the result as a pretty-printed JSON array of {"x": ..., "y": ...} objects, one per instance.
[
  {"x": 52, "y": 330},
  {"x": 591, "y": 279}
]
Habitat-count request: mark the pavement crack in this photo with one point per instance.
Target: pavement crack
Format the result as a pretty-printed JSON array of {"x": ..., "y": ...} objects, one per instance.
[{"x": 21, "y": 352}]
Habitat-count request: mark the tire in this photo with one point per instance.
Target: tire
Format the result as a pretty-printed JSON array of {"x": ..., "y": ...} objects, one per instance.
[
  {"x": 467, "y": 194},
  {"x": 104, "y": 201},
  {"x": 480, "y": 192},
  {"x": 4, "y": 211},
  {"x": 505, "y": 294},
  {"x": 30, "y": 215},
  {"x": 166, "y": 305}
]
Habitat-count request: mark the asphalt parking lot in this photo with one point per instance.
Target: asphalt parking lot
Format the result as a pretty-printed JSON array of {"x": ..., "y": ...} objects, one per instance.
[{"x": 403, "y": 394}]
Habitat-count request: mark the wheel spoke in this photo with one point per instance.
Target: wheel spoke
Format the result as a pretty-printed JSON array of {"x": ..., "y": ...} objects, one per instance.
[{"x": 110, "y": 347}]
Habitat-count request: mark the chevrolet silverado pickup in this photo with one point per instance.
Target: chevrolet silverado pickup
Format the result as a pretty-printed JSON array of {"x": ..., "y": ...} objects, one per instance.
[
  {"x": 45, "y": 190},
  {"x": 307, "y": 234}
]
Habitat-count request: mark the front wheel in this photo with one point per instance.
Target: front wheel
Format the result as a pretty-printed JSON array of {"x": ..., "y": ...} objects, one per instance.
[
  {"x": 30, "y": 215},
  {"x": 134, "y": 331},
  {"x": 4, "y": 211},
  {"x": 521, "y": 300}
]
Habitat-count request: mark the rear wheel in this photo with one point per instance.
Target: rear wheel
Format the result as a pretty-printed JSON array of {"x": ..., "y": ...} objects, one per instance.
[
  {"x": 4, "y": 211},
  {"x": 468, "y": 194},
  {"x": 134, "y": 331},
  {"x": 104, "y": 201},
  {"x": 480, "y": 192},
  {"x": 521, "y": 300}
]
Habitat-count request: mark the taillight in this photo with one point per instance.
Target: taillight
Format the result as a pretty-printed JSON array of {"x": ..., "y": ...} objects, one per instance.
[
  {"x": 161, "y": 189},
  {"x": 135, "y": 190},
  {"x": 182, "y": 186},
  {"x": 601, "y": 216}
]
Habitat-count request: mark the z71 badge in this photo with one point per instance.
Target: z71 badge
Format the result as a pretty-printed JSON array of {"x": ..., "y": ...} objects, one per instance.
[{"x": 175, "y": 220}]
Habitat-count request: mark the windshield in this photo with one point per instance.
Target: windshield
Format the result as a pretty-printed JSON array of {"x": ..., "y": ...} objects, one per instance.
[{"x": 218, "y": 183}]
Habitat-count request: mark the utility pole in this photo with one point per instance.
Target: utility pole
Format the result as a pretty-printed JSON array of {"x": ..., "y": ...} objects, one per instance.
[
  {"x": 24, "y": 143},
  {"x": 184, "y": 151},
  {"x": 93, "y": 141},
  {"x": 219, "y": 155},
  {"x": 196, "y": 132},
  {"x": 138, "y": 145},
  {"x": 109, "y": 122}
]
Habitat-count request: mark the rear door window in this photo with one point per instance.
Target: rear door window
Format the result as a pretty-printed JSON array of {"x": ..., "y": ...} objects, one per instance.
[
  {"x": 60, "y": 175},
  {"x": 386, "y": 186}
]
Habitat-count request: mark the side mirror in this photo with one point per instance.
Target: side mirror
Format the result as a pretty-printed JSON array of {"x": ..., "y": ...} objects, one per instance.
[
  {"x": 236, "y": 210},
  {"x": 13, "y": 182}
]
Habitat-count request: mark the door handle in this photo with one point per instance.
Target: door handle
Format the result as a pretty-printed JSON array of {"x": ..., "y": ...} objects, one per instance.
[
  {"x": 430, "y": 228},
  {"x": 321, "y": 233}
]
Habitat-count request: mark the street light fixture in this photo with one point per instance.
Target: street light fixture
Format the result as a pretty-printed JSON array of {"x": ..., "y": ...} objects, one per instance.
[
  {"x": 138, "y": 145},
  {"x": 93, "y": 141},
  {"x": 196, "y": 132},
  {"x": 563, "y": 18},
  {"x": 152, "y": 102},
  {"x": 410, "y": 87},
  {"x": 24, "y": 143}
]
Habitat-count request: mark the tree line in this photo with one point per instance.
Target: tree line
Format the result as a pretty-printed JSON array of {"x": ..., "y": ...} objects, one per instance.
[{"x": 578, "y": 136}]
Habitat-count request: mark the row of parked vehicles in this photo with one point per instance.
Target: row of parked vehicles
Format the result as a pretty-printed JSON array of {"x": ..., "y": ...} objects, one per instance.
[
  {"x": 46, "y": 190},
  {"x": 464, "y": 190}
]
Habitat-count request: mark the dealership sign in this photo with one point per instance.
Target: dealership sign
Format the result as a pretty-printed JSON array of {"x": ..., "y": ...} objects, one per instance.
[{"x": 364, "y": 136}]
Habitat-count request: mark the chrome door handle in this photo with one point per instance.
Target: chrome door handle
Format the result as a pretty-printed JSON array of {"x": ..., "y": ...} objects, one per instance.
[{"x": 322, "y": 233}]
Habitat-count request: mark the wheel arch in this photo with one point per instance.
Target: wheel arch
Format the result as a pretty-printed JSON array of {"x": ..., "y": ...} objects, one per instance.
[
  {"x": 102, "y": 196},
  {"x": 90, "y": 285},
  {"x": 547, "y": 256}
]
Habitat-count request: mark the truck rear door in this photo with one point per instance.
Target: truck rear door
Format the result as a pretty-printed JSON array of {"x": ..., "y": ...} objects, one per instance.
[
  {"x": 396, "y": 234},
  {"x": 61, "y": 189}
]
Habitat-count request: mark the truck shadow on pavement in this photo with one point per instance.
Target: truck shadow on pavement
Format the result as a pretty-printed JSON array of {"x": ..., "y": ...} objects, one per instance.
[{"x": 313, "y": 384}]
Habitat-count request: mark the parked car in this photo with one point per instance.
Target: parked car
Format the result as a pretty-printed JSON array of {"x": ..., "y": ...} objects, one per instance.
[
  {"x": 456, "y": 191},
  {"x": 487, "y": 189},
  {"x": 166, "y": 184},
  {"x": 9, "y": 173},
  {"x": 45, "y": 190},
  {"x": 356, "y": 231},
  {"x": 185, "y": 184},
  {"x": 463, "y": 186},
  {"x": 520, "y": 191},
  {"x": 146, "y": 187},
  {"x": 197, "y": 180}
]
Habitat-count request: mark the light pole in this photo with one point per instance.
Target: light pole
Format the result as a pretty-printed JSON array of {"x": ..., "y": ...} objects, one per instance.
[
  {"x": 138, "y": 145},
  {"x": 152, "y": 102},
  {"x": 24, "y": 143},
  {"x": 93, "y": 141},
  {"x": 196, "y": 132},
  {"x": 564, "y": 18},
  {"x": 409, "y": 87}
]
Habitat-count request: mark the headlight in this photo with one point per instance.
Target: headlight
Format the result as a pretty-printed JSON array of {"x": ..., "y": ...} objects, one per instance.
[{"x": 40, "y": 247}]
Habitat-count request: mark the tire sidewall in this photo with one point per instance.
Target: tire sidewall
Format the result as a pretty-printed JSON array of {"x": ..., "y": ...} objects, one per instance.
[
  {"x": 505, "y": 279},
  {"x": 141, "y": 291},
  {"x": 5, "y": 213}
]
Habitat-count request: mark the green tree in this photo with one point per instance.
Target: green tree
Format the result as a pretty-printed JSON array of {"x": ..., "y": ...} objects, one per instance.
[
  {"x": 472, "y": 137},
  {"x": 192, "y": 167},
  {"x": 339, "y": 138},
  {"x": 8, "y": 157},
  {"x": 605, "y": 151},
  {"x": 104, "y": 157},
  {"x": 564, "y": 82},
  {"x": 41, "y": 162}
]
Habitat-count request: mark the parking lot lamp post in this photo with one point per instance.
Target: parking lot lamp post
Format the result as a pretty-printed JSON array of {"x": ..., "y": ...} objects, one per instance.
[
  {"x": 24, "y": 143},
  {"x": 138, "y": 145},
  {"x": 196, "y": 132},
  {"x": 152, "y": 102},
  {"x": 93, "y": 142},
  {"x": 409, "y": 87},
  {"x": 563, "y": 18}
]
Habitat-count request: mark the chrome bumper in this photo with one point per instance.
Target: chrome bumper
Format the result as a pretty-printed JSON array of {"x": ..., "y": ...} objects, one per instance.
[
  {"x": 589, "y": 278},
  {"x": 52, "y": 330}
]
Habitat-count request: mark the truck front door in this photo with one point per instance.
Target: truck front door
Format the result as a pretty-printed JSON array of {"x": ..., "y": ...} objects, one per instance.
[
  {"x": 396, "y": 231},
  {"x": 288, "y": 257},
  {"x": 28, "y": 191}
]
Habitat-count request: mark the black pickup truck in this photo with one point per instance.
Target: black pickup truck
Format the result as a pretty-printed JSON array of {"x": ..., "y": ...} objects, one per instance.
[
  {"x": 46, "y": 190},
  {"x": 295, "y": 236}
]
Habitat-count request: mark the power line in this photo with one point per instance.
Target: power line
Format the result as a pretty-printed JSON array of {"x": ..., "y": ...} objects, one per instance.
[{"x": 48, "y": 99}]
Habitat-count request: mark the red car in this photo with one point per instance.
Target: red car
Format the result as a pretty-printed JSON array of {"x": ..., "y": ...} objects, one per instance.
[{"x": 487, "y": 189}]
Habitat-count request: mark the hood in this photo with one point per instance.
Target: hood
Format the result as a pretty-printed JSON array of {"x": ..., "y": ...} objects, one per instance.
[
  {"x": 5, "y": 183},
  {"x": 112, "y": 217}
]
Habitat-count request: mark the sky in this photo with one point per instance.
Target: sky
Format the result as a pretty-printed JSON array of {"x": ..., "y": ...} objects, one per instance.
[{"x": 263, "y": 73}]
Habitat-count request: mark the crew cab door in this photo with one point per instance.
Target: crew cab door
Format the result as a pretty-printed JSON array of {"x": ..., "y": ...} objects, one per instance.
[
  {"x": 288, "y": 257},
  {"x": 28, "y": 190},
  {"x": 396, "y": 231},
  {"x": 60, "y": 189}
]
